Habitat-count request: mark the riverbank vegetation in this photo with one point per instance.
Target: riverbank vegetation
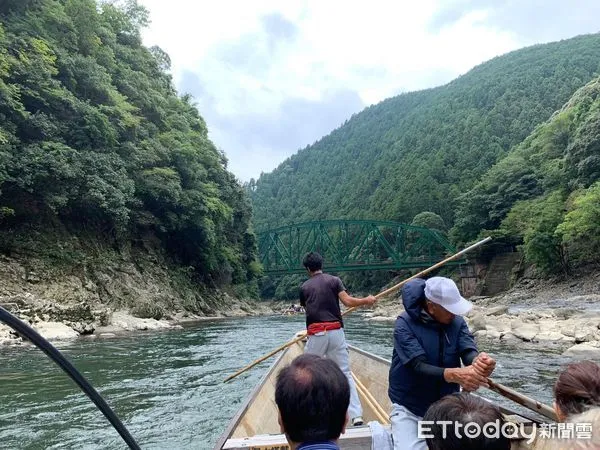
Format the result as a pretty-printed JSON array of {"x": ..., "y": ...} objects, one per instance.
[
  {"x": 546, "y": 192},
  {"x": 104, "y": 164},
  {"x": 98, "y": 150},
  {"x": 510, "y": 148}
]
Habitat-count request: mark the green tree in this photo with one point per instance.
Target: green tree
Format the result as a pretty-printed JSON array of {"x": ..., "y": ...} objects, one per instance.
[
  {"x": 420, "y": 151},
  {"x": 94, "y": 136},
  {"x": 580, "y": 231},
  {"x": 536, "y": 221},
  {"x": 429, "y": 219}
]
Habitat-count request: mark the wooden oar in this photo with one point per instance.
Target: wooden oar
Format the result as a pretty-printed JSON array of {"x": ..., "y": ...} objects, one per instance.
[
  {"x": 267, "y": 356},
  {"x": 523, "y": 400},
  {"x": 378, "y": 410},
  {"x": 349, "y": 310},
  {"x": 425, "y": 272},
  {"x": 380, "y": 417}
]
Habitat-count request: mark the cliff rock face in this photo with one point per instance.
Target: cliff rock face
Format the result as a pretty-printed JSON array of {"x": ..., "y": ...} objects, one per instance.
[{"x": 144, "y": 291}]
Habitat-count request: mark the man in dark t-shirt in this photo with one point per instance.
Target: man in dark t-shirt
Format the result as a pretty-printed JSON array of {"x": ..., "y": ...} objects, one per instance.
[{"x": 320, "y": 296}]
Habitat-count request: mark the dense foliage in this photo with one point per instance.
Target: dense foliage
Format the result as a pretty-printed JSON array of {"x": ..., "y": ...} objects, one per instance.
[
  {"x": 93, "y": 136},
  {"x": 546, "y": 191},
  {"x": 420, "y": 151}
]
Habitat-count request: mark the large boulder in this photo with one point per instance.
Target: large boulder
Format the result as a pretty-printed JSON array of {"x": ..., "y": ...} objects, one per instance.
[
  {"x": 497, "y": 310},
  {"x": 565, "y": 313},
  {"x": 525, "y": 331},
  {"x": 586, "y": 350},
  {"x": 568, "y": 328},
  {"x": 551, "y": 336},
  {"x": 55, "y": 331},
  {"x": 83, "y": 328},
  {"x": 493, "y": 334},
  {"x": 125, "y": 321},
  {"x": 584, "y": 334},
  {"x": 7, "y": 335},
  {"x": 509, "y": 338},
  {"x": 477, "y": 322},
  {"x": 500, "y": 325}
]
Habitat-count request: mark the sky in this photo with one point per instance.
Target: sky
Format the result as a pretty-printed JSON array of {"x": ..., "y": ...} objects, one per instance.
[{"x": 271, "y": 77}]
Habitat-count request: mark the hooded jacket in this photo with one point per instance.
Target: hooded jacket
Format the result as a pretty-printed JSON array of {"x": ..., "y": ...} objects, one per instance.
[{"x": 417, "y": 334}]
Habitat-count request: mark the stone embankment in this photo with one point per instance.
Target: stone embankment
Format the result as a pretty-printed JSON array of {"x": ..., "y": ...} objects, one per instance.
[
  {"x": 58, "y": 322},
  {"x": 578, "y": 331},
  {"x": 563, "y": 315},
  {"x": 103, "y": 300}
]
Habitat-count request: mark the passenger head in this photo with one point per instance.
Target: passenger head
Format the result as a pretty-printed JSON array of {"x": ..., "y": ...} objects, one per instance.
[
  {"x": 585, "y": 434},
  {"x": 588, "y": 421},
  {"x": 472, "y": 413},
  {"x": 443, "y": 300},
  {"x": 577, "y": 389},
  {"x": 312, "y": 395},
  {"x": 313, "y": 262}
]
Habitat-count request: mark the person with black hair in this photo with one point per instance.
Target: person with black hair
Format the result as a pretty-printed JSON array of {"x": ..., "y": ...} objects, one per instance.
[
  {"x": 465, "y": 422},
  {"x": 312, "y": 396},
  {"x": 320, "y": 296}
]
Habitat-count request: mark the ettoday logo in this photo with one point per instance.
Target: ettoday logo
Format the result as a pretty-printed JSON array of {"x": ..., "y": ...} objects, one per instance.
[{"x": 510, "y": 430}]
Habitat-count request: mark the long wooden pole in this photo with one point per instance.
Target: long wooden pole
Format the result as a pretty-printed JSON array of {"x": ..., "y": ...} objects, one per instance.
[
  {"x": 425, "y": 272},
  {"x": 523, "y": 400},
  {"x": 267, "y": 356},
  {"x": 381, "y": 414},
  {"x": 349, "y": 310},
  {"x": 362, "y": 392}
]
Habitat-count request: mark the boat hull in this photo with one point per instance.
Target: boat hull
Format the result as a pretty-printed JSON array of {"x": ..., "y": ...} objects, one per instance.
[{"x": 256, "y": 426}]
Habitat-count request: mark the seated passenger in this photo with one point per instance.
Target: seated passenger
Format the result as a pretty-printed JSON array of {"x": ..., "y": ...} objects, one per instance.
[
  {"x": 312, "y": 395},
  {"x": 583, "y": 434},
  {"x": 459, "y": 421},
  {"x": 577, "y": 389}
]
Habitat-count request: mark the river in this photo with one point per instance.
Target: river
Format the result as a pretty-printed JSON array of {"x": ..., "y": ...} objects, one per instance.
[{"x": 167, "y": 386}]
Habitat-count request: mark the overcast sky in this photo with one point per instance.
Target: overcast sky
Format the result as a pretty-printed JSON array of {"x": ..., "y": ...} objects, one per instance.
[{"x": 273, "y": 76}]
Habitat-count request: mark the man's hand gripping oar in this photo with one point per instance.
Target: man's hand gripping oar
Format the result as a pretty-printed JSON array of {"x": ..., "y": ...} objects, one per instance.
[
  {"x": 483, "y": 366},
  {"x": 348, "y": 311}
]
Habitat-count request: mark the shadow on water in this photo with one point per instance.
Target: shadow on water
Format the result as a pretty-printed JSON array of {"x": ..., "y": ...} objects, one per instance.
[{"x": 167, "y": 386}]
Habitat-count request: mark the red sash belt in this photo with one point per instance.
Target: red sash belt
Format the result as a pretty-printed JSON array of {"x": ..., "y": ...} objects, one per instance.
[{"x": 321, "y": 327}]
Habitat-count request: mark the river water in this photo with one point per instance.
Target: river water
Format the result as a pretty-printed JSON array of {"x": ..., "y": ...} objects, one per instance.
[{"x": 167, "y": 386}]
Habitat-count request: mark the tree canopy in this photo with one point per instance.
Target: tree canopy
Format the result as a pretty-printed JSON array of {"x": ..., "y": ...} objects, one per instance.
[
  {"x": 510, "y": 148},
  {"x": 546, "y": 191},
  {"x": 420, "y": 151},
  {"x": 94, "y": 135}
]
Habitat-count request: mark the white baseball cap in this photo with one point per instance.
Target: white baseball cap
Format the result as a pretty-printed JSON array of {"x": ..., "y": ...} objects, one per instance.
[{"x": 443, "y": 291}]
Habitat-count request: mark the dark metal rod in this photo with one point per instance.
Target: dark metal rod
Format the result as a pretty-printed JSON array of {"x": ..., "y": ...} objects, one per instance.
[{"x": 52, "y": 352}]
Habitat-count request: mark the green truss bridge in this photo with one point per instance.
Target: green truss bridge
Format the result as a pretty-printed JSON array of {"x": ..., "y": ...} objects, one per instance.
[{"x": 352, "y": 245}]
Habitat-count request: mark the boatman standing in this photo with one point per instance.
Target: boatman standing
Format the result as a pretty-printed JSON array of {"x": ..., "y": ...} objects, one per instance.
[
  {"x": 430, "y": 341},
  {"x": 320, "y": 296}
]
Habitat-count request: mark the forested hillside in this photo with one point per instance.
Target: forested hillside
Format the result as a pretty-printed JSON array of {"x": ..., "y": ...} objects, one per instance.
[
  {"x": 420, "y": 151},
  {"x": 97, "y": 150},
  {"x": 546, "y": 191}
]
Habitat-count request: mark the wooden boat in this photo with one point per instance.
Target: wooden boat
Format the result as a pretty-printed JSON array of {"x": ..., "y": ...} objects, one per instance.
[{"x": 255, "y": 424}]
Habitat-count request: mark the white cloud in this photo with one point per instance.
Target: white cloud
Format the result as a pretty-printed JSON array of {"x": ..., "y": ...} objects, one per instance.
[{"x": 258, "y": 69}]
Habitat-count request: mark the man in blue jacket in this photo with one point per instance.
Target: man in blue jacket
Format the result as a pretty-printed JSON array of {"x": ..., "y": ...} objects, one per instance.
[{"x": 430, "y": 340}]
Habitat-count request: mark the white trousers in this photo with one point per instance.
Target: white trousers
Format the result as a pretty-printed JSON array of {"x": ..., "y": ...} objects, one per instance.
[
  {"x": 332, "y": 345},
  {"x": 405, "y": 429}
]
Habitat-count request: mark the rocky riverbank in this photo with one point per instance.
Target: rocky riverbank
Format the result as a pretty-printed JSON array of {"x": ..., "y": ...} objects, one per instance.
[
  {"x": 562, "y": 314},
  {"x": 105, "y": 299}
]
